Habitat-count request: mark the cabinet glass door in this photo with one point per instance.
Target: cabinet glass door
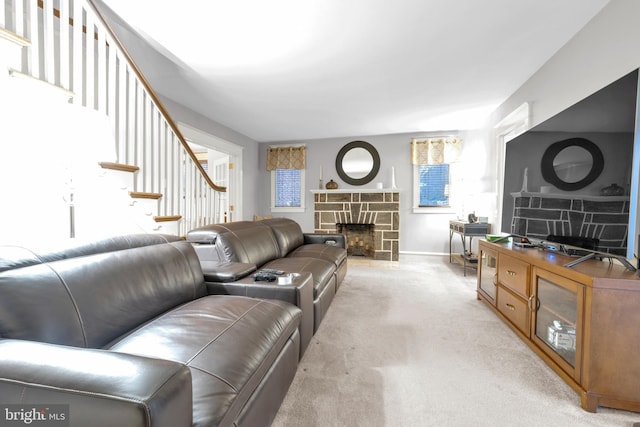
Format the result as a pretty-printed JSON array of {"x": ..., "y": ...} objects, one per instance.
[
  {"x": 557, "y": 319},
  {"x": 487, "y": 274}
]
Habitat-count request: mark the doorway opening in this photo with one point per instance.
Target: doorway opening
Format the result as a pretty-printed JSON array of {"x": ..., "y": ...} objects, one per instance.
[{"x": 223, "y": 162}]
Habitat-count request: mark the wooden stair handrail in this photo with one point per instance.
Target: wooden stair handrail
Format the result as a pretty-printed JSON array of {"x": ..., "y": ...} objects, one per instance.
[{"x": 155, "y": 98}]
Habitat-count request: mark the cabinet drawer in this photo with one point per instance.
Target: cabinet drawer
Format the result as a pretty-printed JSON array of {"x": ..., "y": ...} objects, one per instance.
[
  {"x": 514, "y": 274},
  {"x": 513, "y": 308}
]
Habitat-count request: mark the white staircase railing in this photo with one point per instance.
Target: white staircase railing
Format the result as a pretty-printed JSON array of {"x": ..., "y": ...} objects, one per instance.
[{"x": 73, "y": 48}]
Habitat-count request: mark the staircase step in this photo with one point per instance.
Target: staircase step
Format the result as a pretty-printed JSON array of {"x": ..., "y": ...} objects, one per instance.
[
  {"x": 144, "y": 195},
  {"x": 119, "y": 167},
  {"x": 167, "y": 218}
]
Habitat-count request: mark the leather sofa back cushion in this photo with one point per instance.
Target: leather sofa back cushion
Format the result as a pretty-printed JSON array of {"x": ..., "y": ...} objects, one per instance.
[
  {"x": 91, "y": 300},
  {"x": 248, "y": 242},
  {"x": 18, "y": 257},
  {"x": 288, "y": 234}
]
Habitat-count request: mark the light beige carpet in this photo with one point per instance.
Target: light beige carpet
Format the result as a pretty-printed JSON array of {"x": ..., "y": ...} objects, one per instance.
[{"x": 408, "y": 344}]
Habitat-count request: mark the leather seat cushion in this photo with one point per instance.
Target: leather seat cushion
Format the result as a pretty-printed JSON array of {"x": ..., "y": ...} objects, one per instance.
[
  {"x": 335, "y": 254},
  {"x": 228, "y": 343},
  {"x": 322, "y": 271}
]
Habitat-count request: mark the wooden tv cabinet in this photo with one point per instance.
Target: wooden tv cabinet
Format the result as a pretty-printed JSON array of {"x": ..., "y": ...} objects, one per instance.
[{"x": 583, "y": 321}]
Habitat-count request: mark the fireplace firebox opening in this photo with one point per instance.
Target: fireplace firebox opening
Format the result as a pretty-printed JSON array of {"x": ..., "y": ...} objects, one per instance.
[{"x": 360, "y": 239}]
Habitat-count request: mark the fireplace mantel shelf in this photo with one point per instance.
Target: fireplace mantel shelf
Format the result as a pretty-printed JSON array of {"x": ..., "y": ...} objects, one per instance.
[
  {"x": 358, "y": 190},
  {"x": 572, "y": 196}
]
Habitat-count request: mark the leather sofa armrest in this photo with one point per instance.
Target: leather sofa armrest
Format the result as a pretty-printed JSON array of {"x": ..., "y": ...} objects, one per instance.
[
  {"x": 225, "y": 272},
  {"x": 100, "y": 387},
  {"x": 329, "y": 239}
]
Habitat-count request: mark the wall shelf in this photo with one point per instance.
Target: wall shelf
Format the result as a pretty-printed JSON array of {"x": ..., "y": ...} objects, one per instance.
[{"x": 570, "y": 196}]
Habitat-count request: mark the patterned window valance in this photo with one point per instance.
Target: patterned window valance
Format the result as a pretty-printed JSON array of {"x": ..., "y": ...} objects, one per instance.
[
  {"x": 286, "y": 158},
  {"x": 435, "y": 151}
]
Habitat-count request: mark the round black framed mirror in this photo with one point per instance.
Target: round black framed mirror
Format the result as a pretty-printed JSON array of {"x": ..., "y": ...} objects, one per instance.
[
  {"x": 572, "y": 164},
  {"x": 358, "y": 163}
]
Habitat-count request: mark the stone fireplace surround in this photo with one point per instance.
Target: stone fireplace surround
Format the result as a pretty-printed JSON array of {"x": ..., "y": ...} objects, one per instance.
[{"x": 378, "y": 207}]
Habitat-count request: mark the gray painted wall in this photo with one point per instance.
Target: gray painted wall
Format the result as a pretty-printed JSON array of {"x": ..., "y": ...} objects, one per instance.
[
  {"x": 602, "y": 52},
  {"x": 419, "y": 232},
  {"x": 605, "y": 50},
  {"x": 155, "y": 64}
]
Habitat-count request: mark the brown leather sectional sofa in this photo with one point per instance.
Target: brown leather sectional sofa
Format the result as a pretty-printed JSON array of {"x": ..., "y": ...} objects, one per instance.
[
  {"x": 124, "y": 332},
  {"x": 231, "y": 253}
]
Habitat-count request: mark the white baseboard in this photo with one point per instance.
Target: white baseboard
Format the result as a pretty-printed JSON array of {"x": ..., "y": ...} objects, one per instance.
[{"x": 423, "y": 253}]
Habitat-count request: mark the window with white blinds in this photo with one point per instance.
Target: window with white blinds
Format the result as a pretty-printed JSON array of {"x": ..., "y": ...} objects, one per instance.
[
  {"x": 287, "y": 190},
  {"x": 433, "y": 184}
]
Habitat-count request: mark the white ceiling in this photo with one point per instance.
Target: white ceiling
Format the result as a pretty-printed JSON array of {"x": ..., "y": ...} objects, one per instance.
[{"x": 284, "y": 70}]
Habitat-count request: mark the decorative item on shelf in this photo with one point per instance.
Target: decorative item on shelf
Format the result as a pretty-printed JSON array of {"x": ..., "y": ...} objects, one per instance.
[
  {"x": 393, "y": 178},
  {"x": 546, "y": 189},
  {"x": 525, "y": 181},
  {"x": 331, "y": 185},
  {"x": 612, "y": 190},
  {"x": 561, "y": 337},
  {"x": 472, "y": 218}
]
